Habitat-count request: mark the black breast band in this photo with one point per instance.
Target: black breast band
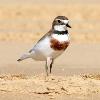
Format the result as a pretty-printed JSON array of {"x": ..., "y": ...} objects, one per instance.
[{"x": 60, "y": 32}]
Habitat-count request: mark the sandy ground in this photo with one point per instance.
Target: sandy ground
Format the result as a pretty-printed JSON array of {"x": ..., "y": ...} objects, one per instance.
[{"x": 75, "y": 74}]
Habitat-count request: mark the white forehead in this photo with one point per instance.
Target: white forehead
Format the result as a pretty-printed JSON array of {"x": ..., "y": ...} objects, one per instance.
[{"x": 65, "y": 21}]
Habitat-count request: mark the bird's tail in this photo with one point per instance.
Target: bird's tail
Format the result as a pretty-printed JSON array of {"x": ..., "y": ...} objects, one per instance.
[{"x": 25, "y": 56}]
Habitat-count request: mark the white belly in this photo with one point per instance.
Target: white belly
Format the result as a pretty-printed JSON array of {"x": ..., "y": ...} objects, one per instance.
[{"x": 42, "y": 50}]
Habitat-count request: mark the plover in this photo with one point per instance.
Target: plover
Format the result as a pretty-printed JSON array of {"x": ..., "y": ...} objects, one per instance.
[{"x": 52, "y": 44}]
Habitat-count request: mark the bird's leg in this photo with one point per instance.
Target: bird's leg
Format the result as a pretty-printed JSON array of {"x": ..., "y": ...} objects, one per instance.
[
  {"x": 48, "y": 64},
  {"x": 51, "y": 65},
  {"x": 46, "y": 68}
]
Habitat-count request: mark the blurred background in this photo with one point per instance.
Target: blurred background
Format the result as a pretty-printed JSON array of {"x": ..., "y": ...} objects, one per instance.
[
  {"x": 28, "y": 20},
  {"x": 24, "y": 22}
]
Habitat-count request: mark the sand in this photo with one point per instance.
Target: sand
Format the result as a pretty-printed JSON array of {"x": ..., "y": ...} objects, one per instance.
[{"x": 52, "y": 87}]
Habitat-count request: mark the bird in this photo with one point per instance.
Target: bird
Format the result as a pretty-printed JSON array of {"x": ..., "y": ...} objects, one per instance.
[{"x": 51, "y": 45}]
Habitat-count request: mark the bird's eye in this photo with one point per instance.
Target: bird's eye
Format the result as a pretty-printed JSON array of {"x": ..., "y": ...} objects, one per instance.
[{"x": 59, "y": 21}]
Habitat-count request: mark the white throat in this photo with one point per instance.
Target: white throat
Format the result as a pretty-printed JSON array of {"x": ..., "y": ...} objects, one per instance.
[{"x": 60, "y": 27}]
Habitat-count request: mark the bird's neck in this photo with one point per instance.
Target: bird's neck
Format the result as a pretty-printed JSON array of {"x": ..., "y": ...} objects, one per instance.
[{"x": 60, "y": 32}]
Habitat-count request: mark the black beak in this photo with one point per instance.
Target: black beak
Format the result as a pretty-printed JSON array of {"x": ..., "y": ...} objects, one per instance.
[{"x": 68, "y": 25}]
